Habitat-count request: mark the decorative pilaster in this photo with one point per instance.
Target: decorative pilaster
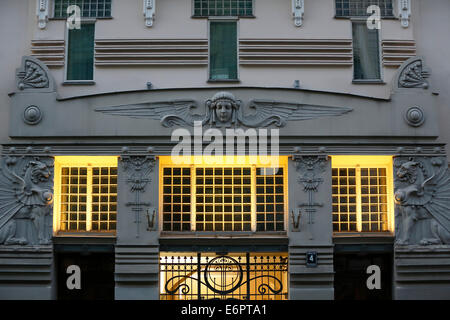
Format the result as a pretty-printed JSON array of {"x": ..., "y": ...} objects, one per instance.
[
  {"x": 404, "y": 12},
  {"x": 298, "y": 10},
  {"x": 42, "y": 9},
  {"x": 310, "y": 226},
  {"x": 149, "y": 12}
]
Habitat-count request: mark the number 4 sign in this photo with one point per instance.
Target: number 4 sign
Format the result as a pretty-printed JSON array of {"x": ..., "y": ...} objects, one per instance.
[{"x": 311, "y": 259}]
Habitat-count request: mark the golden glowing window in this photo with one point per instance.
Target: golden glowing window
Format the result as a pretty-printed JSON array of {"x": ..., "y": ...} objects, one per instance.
[
  {"x": 362, "y": 194},
  {"x": 85, "y": 194},
  {"x": 242, "y": 196},
  {"x": 238, "y": 276}
]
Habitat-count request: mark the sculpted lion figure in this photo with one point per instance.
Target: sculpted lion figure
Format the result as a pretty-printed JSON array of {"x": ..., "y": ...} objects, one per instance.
[
  {"x": 24, "y": 203},
  {"x": 424, "y": 198}
]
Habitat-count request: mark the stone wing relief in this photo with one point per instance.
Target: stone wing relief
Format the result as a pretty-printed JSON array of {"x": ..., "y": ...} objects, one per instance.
[
  {"x": 422, "y": 195},
  {"x": 224, "y": 110},
  {"x": 25, "y": 201}
]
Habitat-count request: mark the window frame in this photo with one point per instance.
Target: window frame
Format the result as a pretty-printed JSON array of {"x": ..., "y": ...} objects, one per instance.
[
  {"x": 223, "y": 19},
  {"x": 360, "y": 20},
  {"x": 393, "y": 17},
  {"x": 193, "y": 16},
  {"x": 80, "y": 161},
  {"x": 53, "y": 10},
  {"x": 66, "y": 55},
  {"x": 164, "y": 162},
  {"x": 375, "y": 161}
]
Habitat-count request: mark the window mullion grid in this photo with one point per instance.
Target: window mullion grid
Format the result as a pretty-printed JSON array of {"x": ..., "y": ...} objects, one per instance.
[
  {"x": 193, "y": 199},
  {"x": 358, "y": 199},
  {"x": 253, "y": 198},
  {"x": 89, "y": 190}
]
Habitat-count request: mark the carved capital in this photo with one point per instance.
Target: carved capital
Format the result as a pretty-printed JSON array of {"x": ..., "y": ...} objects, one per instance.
[
  {"x": 298, "y": 10},
  {"x": 422, "y": 198},
  {"x": 404, "y": 12},
  {"x": 26, "y": 197},
  {"x": 149, "y": 12},
  {"x": 42, "y": 9}
]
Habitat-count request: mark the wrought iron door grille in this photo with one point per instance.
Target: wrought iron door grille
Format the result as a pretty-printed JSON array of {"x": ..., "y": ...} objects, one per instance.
[{"x": 202, "y": 276}]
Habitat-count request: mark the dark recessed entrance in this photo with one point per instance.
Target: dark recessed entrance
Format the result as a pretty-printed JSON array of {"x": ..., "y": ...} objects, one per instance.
[
  {"x": 97, "y": 274},
  {"x": 350, "y": 266}
]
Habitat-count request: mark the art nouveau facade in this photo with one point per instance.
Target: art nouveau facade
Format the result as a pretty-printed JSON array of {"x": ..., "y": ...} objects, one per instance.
[{"x": 90, "y": 118}]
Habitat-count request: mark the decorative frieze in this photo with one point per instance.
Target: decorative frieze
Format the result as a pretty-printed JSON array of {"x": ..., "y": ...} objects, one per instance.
[
  {"x": 223, "y": 110},
  {"x": 422, "y": 195},
  {"x": 26, "y": 197}
]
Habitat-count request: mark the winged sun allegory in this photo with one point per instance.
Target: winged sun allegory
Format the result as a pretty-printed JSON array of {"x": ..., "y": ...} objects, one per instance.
[{"x": 224, "y": 110}]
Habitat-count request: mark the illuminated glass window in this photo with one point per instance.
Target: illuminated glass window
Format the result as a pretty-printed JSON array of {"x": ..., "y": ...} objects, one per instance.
[
  {"x": 240, "y": 197},
  {"x": 358, "y": 8},
  {"x": 239, "y": 276},
  {"x": 362, "y": 194},
  {"x": 88, "y": 8},
  {"x": 85, "y": 194},
  {"x": 233, "y": 8}
]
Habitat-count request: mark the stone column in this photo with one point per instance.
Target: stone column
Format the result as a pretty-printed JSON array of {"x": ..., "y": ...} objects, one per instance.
[
  {"x": 422, "y": 246},
  {"x": 310, "y": 227},
  {"x": 26, "y": 251},
  {"x": 137, "y": 246}
]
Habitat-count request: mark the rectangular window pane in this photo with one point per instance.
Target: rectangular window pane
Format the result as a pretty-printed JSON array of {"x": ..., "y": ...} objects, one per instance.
[
  {"x": 223, "y": 58},
  {"x": 73, "y": 199},
  {"x": 206, "y": 8},
  {"x": 80, "y": 55},
  {"x": 88, "y": 8},
  {"x": 366, "y": 55},
  {"x": 358, "y": 8},
  {"x": 269, "y": 199},
  {"x": 344, "y": 200}
]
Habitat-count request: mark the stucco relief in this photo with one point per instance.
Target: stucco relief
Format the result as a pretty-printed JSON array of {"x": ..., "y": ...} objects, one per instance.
[
  {"x": 224, "y": 110},
  {"x": 413, "y": 74},
  {"x": 26, "y": 196},
  {"x": 422, "y": 195}
]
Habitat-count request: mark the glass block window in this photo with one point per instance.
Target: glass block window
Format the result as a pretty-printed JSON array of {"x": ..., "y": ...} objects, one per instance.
[
  {"x": 88, "y": 8},
  {"x": 362, "y": 194},
  {"x": 239, "y": 8},
  {"x": 358, "y": 8},
  {"x": 366, "y": 53},
  {"x": 223, "y": 198},
  {"x": 223, "y": 51},
  {"x": 86, "y": 194},
  {"x": 80, "y": 53}
]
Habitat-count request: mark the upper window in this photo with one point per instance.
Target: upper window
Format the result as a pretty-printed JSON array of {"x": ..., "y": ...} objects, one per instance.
[
  {"x": 366, "y": 52},
  {"x": 223, "y": 50},
  {"x": 80, "y": 53},
  {"x": 227, "y": 8},
  {"x": 362, "y": 194},
  {"x": 89, "y": 8},
  {"x": 358, "y": 8},
  {"x": 239, "y": 197},
  {"x": 85, "y": 194}
]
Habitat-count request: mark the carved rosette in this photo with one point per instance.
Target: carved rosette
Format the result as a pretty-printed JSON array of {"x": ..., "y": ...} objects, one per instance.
[
  {"x": 26, "y": 197},
  {"x": 422, "y": 198}
]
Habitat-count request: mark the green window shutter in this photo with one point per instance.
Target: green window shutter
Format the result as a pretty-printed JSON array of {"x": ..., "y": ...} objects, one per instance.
[
  {"x": 366, "y": 53},
  {"x": 80, "y": 54},
  {"x": 223, "y": 58}
]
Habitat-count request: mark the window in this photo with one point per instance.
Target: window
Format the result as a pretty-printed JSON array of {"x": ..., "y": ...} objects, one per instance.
[
  {"x": 362, "y": 194},
  {"x": 223, "y": 197},
  {"x": 366, "y": 53},
  {"x": 85, "y": 194},
  {"x": 234, "y": 8},
  {"x": 358, "y": 8},
  {"x": 89, "y": 8},
  {"x": 80, "y": 53},
  {"x": 242, "y": 276},
  {"x": 223, "y": 54}
]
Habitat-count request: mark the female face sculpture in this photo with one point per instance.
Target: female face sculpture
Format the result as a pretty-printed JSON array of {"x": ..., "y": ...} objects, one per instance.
[{"x": 224, "y": 110}]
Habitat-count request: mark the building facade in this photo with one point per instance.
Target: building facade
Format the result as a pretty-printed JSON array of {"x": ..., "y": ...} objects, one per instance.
[{"x": 224, "y": 149}]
